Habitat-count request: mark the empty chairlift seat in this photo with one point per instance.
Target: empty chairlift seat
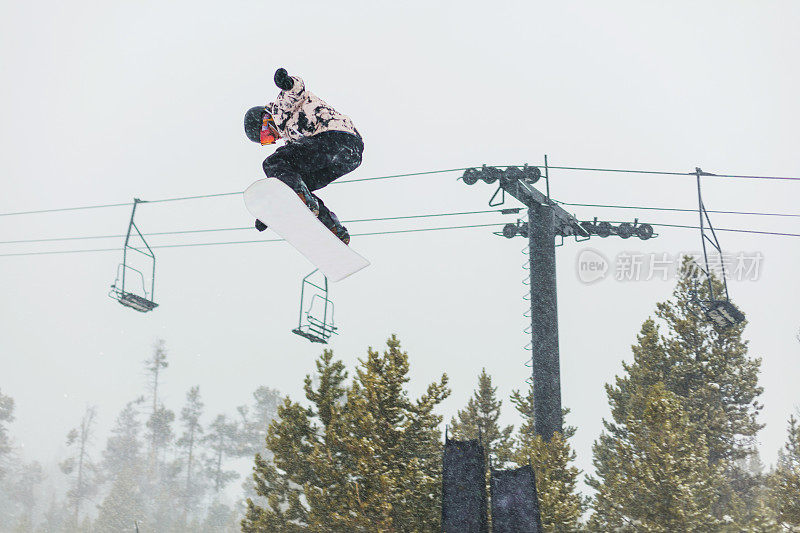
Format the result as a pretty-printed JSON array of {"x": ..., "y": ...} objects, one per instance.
[{"x": 143, "y": 301}]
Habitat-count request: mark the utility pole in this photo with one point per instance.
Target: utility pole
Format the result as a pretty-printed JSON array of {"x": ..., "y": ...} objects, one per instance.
[{"x": 546, "y": 222}]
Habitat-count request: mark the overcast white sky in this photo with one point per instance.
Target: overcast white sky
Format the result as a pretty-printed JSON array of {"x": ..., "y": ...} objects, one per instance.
[{"x": 105, "y": 101}]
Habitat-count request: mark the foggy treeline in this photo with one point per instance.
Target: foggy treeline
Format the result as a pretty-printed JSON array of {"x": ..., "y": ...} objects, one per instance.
[{"x": 159, "y": 469}]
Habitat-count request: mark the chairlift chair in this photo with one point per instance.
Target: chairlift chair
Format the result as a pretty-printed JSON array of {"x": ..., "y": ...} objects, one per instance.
[
  {"x": 719, "y": 311},
  {"x": 310, "y": 325},
  {"x": 142, "y": 303},
  {"x": 129, "y": 299}
]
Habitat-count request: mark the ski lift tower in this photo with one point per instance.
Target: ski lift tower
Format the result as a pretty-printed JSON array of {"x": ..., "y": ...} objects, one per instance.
[
  {"x": 142, "y": 302},
  {"x": 546, "y": 222}
]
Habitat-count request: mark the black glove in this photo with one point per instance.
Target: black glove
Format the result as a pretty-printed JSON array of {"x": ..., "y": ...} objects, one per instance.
[
  {"x": 283, "y": 80},
  {"x": 260, "y": 226}
]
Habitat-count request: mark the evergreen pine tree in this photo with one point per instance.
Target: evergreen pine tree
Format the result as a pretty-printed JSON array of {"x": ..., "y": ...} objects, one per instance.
[
  {"x": 746, "y": 496},
  {"x": 123, "y": 451},
  {"x": 154, "y": 365},
  {"x": 55, "y": 517},
  {"x": 29, "y": 477},
  {"x": 159, "y": 421},
  {"x": 124, "y": 469},
  {"x": 164, "y": 499},
  {"x": 560, "y": 503},
  {"x": 293, "y": 437},
  {"x": 655, "y": 476},
  {"x": 189, "y": 443},
  {"x": 7, "y": 509},
  {"x": 711, "y": 375},
  {"x": 162, "y": 484},
  {"x": 221, "y": 442},
  {"x": 784, "y": 482},
  {"x": 124, "y": 504},
  {"x": 80, "y": 465},
  {"x": 399, "y": 441},
  {"x": 220, "y": 518},
  {"x": 160, "y": 436},
  {"x": 252, "y": 436},
  {"x": 479, "y": 421},
  {"x": 361, "y": 458},
  {"x": 479, "y": 418},
  {"x": 710, "y": 369},
  {"x": 6, "y": 417},
  {"x": 255, "y": 421}
]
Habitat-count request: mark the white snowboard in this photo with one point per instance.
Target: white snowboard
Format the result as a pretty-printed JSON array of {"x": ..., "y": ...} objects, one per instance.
[{"x": 276, "y": 205}]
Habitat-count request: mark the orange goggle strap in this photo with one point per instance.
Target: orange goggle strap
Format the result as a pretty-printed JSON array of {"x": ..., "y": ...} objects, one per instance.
[{"x": 269, "y": 132}]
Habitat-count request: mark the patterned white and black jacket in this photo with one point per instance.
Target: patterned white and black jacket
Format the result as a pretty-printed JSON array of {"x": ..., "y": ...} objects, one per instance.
[{"x": 300, "y": 113}]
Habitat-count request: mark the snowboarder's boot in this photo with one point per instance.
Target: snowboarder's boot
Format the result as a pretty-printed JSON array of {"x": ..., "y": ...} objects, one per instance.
[
  {"x": 309, "y": 199},
  {"x": 331, "y": 221},
  {"x": 341, "y": 232}
]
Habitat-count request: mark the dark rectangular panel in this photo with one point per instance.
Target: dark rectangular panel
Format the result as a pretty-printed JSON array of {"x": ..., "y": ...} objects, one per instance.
[
  {"x": 515, "y": 504},
  {"x": 464, "y": 508}
]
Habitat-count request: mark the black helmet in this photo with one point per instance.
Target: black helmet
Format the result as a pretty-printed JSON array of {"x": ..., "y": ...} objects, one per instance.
[{"x": 253, "y": 120}]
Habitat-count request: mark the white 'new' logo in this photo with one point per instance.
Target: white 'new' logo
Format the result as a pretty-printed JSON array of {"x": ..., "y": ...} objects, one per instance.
[{"x": 592, "y": 266}]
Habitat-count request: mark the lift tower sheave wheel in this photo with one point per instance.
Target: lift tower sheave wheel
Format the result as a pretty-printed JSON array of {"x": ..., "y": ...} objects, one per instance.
[{"x": 140, "y": 302}]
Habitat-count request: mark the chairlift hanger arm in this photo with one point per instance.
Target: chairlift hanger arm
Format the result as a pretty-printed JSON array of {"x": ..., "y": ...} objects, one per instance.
[
  {"x": 151, "y": 254},
  {"x": 713, "y": 240},
  {"x": 721, "y": 312}
]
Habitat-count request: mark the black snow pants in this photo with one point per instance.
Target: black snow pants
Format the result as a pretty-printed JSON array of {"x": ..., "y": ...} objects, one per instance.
[{"x": 316, "y": 161}]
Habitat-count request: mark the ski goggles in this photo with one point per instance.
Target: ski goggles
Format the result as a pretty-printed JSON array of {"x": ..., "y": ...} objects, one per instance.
[{"x": 269, "y": 131}]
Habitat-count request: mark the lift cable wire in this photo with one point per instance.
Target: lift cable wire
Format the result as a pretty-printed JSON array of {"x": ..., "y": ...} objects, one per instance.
[
  {"x": 734, "y": 230},
  {"x": 427, "y": 215},
  {"x": 217, "y": 195},
  {"x": 682, "y": 210},
  {"x": 64, "y": 209},
  {"x": 399, "y": 175},
  {"x": 665, "y": 173},
  {"x": 380, "y": 219},
  {"x": 355, "y": 180},
  {"x": 389, "y": 232}
]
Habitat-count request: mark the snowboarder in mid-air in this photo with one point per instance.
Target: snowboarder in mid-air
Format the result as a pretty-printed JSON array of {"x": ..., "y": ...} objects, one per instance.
[{"x": 321, "y": 145}]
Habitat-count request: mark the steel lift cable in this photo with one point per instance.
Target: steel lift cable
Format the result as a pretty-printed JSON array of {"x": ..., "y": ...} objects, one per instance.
[
  {"x": 190, "y": 245},
  {"x": 410, "y": 174},
  {"x": 378, "y": 219}
]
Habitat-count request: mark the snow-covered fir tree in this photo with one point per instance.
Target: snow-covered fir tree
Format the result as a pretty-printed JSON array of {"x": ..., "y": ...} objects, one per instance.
[
  {"x": 785, "y": 480},
  {"x": 363, "y": 457},
  {"x": 220, "y": 441},
  {"x": 6, "y": 417},
  {"x": 80, "y": 466},
  {"x": 189, "y": 448},
  {"x": 480, "y": 419},
  {"x": 708, "y": 372},
  {"x": 560, "y": 503},
  {"x": 654, "y": 475}
]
